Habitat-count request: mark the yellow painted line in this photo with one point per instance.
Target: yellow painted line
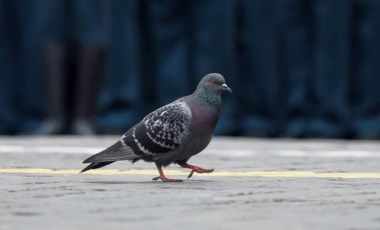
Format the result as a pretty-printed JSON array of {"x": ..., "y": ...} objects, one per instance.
[{"x": 109, "y": 172}]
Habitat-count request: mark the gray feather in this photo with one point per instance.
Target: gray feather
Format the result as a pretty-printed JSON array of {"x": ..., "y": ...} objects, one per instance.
[{"x": 116, "y": 152}]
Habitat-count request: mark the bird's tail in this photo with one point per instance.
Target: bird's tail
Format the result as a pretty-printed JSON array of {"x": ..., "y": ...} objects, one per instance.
[
  {"x": 96, "y": 165},
  {"x": 116, "y": 152}
]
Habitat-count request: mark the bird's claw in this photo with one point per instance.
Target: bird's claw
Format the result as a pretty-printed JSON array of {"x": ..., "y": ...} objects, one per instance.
[
  {"x": 165, "y": 179},
  {"x": 199, "y": 170}
]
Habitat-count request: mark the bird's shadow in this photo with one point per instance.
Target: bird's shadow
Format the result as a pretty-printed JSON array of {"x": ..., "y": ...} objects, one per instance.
[{"x": 150, "y": 182}]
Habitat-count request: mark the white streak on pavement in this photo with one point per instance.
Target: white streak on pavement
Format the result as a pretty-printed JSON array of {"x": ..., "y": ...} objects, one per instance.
[{"x": 221, "y": 152}]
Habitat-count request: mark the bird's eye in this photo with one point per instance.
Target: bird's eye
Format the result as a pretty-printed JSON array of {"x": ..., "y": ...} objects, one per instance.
[{"x": 213, "y": 81}]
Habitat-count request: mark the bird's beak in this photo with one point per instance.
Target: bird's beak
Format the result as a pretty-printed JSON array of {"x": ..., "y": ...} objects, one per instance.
[{"x": 226, "y": 88}]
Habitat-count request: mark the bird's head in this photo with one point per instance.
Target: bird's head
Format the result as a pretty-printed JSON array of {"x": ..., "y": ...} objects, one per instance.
[{"x": 214, "y": 83}]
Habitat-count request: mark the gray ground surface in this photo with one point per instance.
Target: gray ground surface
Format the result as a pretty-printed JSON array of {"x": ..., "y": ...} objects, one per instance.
[{"x": 83, "y": 201}]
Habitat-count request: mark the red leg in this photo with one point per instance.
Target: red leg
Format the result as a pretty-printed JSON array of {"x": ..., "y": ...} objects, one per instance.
[
  {"x": 163, "y": 177},
  {"x": 196, "y": 169}
]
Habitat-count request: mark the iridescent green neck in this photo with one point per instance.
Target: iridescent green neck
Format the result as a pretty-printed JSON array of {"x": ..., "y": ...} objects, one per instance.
[{"x": 208, "y": 98}]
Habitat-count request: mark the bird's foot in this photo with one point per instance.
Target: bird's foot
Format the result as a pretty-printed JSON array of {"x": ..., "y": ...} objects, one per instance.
[
  {"x": 165, "y": 179},
  {"x": 199, "y": 170}
]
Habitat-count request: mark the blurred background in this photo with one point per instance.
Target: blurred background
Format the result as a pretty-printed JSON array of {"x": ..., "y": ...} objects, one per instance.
[{"x": 297, "y": 68}]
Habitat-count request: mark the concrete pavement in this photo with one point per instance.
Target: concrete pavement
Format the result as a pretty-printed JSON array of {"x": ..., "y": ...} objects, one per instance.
[{"x": 267, "y": 184}]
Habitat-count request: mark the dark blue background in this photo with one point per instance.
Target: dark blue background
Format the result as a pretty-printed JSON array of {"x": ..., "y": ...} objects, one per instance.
[{"x": 298, "y": 68}]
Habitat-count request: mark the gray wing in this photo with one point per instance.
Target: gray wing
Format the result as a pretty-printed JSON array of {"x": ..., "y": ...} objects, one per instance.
[{"x": 161, "y": 131}]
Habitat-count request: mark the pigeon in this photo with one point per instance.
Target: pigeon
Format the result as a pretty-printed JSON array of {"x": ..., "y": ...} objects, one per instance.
[{"x": 171, "y": 134}]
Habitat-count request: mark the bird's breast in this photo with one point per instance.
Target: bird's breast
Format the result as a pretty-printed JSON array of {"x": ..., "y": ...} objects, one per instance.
[{"x": 203, "y": 123}]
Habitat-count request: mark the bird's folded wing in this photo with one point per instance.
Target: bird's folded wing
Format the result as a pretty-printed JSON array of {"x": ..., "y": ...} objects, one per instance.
[{"x": 161, "y": 131}]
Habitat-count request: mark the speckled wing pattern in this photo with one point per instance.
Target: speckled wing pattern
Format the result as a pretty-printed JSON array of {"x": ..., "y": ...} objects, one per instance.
[{"x": 161, "y": 131}]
